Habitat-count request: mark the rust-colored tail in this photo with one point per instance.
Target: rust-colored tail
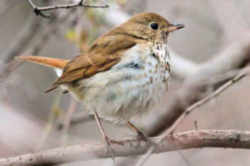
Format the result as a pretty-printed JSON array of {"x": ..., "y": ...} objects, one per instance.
[{"x": 45, "y": 61}]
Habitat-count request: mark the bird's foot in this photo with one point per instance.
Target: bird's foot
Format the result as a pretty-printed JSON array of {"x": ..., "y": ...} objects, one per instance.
[
  {"x": 109, "y": 143},
  {"x": 109, "y": 148},
  {"x": 145, "y": 138}
]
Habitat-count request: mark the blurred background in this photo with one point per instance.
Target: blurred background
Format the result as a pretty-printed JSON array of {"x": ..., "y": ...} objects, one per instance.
[{"x": 31, "y": 120}]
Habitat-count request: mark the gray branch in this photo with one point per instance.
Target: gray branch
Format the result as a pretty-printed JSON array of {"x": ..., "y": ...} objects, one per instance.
[
  {"x": 179, "y": 141},
  {"x": 81, "y": 3}
]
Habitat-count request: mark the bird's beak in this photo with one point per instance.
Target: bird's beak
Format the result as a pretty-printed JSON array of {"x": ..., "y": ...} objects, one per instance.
[{"x": 175, "y": 27}]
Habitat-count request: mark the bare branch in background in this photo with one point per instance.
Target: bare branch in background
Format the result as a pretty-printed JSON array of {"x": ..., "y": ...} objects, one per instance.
[
  {"x": 178, "y": 141},
  {"x": 243, "y": 73},
  {"x": 81, "y": 3}
]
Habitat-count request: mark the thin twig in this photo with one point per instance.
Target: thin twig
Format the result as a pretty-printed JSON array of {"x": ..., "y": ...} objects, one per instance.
[
  {"x": 39, "y": 10},
  {"x": 243, "y": 73}
]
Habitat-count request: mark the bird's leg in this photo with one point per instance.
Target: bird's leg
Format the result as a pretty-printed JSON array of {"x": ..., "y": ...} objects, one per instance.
[
  {"x": 105, "y": 137},
  {"x": 101, "y": 129},
  {"x": 140, "y": 134}
]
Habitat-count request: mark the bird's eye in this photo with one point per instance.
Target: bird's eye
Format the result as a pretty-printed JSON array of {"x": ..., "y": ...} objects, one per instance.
[{"x": 154, "y": 26}]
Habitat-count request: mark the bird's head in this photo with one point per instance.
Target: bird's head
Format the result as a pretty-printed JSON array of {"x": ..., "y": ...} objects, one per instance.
[{"x": 148, "y": 26}]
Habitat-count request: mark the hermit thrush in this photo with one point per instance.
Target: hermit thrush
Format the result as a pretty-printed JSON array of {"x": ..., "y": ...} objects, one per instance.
[{"x": 123, "y": 74}]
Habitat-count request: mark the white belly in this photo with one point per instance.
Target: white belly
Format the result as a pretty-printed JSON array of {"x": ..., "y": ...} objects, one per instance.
[{"x": 130, "y": 88}]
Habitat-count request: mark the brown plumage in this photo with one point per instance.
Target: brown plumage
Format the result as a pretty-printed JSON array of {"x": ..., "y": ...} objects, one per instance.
[
  {"x": 124, "y": 73},
  {"x": 107, "y": 50}
]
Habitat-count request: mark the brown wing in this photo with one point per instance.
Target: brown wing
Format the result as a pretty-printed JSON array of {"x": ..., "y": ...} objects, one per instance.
[{"x": 103, "y": 54}]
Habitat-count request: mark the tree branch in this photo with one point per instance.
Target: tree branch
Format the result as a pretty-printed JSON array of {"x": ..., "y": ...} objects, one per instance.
[
  {"x": 179, "y": 141},
  {"x": 193, "y": 107},
  {"x": 80, "y": 3},
  {"x": 243, "y": 73}
]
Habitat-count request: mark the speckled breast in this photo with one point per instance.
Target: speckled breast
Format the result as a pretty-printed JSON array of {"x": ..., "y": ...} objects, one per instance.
[{"x": 131, "y": 87}]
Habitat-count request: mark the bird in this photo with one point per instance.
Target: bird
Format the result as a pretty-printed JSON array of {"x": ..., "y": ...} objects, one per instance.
[{"x": 123, "y": 74}]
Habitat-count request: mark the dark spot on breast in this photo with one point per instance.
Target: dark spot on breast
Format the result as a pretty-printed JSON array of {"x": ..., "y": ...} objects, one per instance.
[
  {"x": 155, "y": 56},
  {"x": 132, "y": 65}
]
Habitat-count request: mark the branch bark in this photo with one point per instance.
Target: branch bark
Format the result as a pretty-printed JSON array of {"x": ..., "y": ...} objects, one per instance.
[
  {"x": 81, "y": 3},
  {"x": 179, "y": 141}
]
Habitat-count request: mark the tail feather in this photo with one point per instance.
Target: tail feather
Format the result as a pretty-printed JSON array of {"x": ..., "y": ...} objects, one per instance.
[{"x": 45, "y": 61}]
